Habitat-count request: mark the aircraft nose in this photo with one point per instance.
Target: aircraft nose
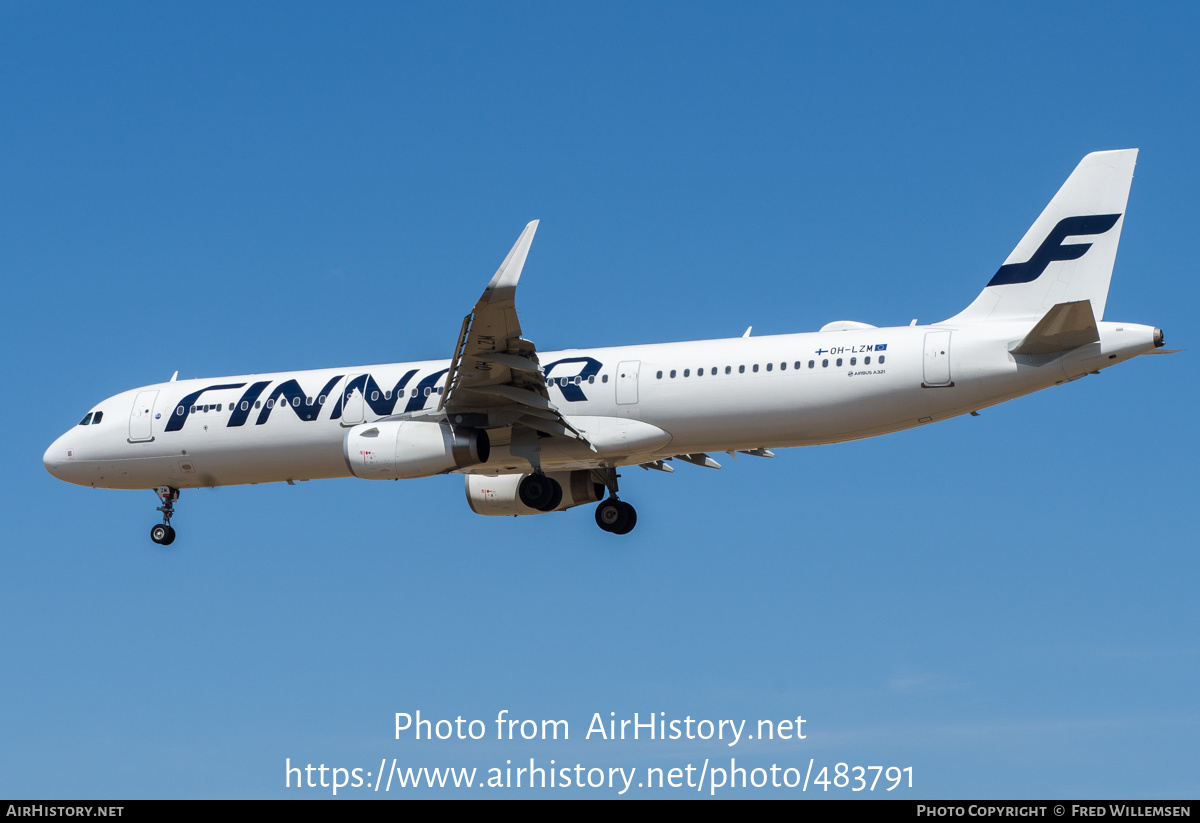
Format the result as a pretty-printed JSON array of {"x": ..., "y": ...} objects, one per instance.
[{"x": 55, "y": 458}]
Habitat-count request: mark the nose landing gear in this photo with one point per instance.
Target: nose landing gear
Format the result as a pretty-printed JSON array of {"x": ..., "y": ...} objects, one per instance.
[{"x": 163, "y": 534}]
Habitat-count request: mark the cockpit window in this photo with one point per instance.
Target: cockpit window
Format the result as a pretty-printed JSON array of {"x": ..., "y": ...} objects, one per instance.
[
  {"x": 85, "y": 421},
  {"x": 97, "y": 418}
]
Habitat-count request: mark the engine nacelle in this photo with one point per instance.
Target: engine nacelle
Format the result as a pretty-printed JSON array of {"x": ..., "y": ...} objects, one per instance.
[
  {"x": 497, "y": 495},
  {"x": 402, "y": 449}
]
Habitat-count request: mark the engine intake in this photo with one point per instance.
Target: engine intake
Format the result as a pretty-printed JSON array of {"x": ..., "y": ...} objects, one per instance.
[
  {"x": 403, "y": 449},
  {"x": 499, "y": 496}
]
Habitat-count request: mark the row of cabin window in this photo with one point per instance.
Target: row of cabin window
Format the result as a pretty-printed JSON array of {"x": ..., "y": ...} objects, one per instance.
[
  {"x": 798, "y": 365},
  {"x": 387, "y": 395},
  {"x": 92, "y": 419},
  {"x": 577, "y": 379}
]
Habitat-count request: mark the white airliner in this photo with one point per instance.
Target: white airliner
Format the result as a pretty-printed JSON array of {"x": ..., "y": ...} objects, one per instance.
[{"x": 546, "y": 431}]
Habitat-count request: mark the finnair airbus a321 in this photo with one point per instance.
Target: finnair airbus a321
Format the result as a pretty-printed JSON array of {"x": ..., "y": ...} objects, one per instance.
[{"x": 539, "y": 432}]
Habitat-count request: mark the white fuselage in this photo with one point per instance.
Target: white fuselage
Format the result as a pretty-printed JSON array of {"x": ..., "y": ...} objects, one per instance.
[{"x": 635, "y": 403}]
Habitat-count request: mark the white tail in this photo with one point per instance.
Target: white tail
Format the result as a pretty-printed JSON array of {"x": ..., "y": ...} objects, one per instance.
[{"x": 1045, "y": 270}]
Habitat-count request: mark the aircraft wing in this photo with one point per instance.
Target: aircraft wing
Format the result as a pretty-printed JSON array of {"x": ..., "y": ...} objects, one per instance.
[{"x": 495, "y": 370}]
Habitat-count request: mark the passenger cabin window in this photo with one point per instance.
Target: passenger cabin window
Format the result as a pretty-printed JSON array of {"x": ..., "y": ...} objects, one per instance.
[
  {"x": 87, "y": 420},
  {"x": 728, "y": 369},
  {"x": 755, "y": 368}
]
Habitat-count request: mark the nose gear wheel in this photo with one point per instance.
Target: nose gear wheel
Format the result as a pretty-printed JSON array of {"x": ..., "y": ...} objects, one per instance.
[{"x": 163, "y": 534}]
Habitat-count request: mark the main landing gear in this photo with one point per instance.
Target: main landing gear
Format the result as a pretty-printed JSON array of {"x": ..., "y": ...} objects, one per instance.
[
  {"x": 613, "y": 515},
  {"x": 616, "y": 516},
  {"x": 163, "y": 534}
]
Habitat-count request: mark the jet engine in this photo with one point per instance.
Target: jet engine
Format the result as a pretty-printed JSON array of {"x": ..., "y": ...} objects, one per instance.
[
  {"x": 499, "y": 496},
  {"x": 402, "y": 449}
]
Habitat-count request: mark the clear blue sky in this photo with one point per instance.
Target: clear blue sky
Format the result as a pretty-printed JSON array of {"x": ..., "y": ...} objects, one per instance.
[{"x": 1005, "y": 603}]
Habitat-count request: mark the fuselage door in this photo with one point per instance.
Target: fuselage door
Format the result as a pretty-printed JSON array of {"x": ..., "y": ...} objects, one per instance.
[
  {"x": 937, "y": 359},
  {"x": 627, "y": 381},
  {"x": 141, "y": 418}
]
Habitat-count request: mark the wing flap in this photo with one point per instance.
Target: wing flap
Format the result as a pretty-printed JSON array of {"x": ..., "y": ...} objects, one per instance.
[
  {"x": 522, "y": 396},
  {"x": 510, "y": 361}
]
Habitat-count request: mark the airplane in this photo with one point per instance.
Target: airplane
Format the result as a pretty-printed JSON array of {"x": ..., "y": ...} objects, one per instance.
[{"x": 536, "y": 432}]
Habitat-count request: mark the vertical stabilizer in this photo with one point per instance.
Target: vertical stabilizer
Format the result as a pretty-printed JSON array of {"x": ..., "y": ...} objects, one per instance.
[{"x": 1068, "y": 253}]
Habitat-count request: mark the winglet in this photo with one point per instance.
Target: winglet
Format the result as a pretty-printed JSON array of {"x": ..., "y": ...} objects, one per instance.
[{"x": 503, "y": 284}]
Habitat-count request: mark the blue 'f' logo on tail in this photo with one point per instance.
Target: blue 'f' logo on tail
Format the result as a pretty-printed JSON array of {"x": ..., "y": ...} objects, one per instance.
[{"x": 1052, "y": 248}]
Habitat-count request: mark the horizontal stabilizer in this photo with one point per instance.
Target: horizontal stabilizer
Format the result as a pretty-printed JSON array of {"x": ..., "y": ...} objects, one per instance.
[{"x": 1065, "y": 326}]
